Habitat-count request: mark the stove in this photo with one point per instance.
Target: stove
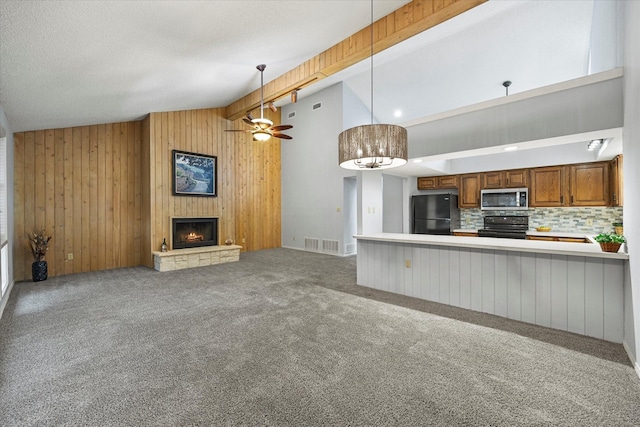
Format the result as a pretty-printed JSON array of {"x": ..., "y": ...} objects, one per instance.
[{"x": 506, "y": 227}]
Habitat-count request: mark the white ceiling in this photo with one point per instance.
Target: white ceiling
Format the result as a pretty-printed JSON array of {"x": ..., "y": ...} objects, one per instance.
[{"x": 71, "y": 63}]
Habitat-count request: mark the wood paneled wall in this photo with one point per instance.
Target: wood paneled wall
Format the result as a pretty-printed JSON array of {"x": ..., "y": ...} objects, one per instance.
[
  {"x": 248, "y": 187},
  {"x": 82, "y": 184},
  {"x": 105, "y": 193}
]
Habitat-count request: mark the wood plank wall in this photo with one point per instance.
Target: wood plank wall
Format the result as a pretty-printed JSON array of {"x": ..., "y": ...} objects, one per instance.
[
  {"x": 248, "y": 187},
  {"x": 105, "y": 190},
  {"x": 83, "y": 184}
]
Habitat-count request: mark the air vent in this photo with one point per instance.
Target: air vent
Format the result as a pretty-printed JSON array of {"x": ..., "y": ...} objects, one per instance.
[
  {"x": 330, "y": 246},
  {"x": 311, "y": 244},
  {"x": 292, "y": 114},
  {"x": 318, "y": 105}
]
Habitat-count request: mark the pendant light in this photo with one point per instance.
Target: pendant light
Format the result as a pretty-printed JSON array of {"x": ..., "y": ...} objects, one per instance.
[{"x": 373, "y": 146}]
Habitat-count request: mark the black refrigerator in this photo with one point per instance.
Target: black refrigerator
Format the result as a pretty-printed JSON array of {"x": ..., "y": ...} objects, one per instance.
[{"x": 435, "y": 213}]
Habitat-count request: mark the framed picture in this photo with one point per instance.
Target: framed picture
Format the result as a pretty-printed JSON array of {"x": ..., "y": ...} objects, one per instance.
[{"x": 194, "y": 174}]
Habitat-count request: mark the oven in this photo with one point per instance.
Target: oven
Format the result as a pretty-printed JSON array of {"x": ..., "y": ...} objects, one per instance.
[{"x": 506, "y": 227}]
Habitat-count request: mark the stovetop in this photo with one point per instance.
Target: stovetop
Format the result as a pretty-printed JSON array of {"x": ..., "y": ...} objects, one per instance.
[{"x": 509, "y": 227}]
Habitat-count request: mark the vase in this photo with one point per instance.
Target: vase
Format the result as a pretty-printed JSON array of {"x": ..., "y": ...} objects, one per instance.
[
  {"x": 610, "y": 246},
  {"x": 39, "y": 271}
]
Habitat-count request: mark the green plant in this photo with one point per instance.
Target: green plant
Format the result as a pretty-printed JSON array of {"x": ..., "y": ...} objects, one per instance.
[
  {"x": 610, "y": 238},
  {"x": 39, "y": 243}
]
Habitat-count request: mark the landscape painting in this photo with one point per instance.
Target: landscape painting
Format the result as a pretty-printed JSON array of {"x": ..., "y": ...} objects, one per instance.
[{"x": 194, "y": 174}]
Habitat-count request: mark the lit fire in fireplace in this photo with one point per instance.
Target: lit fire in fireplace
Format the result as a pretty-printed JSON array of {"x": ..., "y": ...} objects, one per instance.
[{"x": 193, "y": 237}]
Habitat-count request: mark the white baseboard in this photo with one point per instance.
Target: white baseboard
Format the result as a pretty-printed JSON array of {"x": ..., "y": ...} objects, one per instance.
[
  {"x": 634, "y": 362},
  {"x": 5, "y": 298}
]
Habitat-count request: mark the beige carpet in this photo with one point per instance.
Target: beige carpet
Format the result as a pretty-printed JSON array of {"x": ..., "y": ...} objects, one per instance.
[{"x": 285, "y": 337}]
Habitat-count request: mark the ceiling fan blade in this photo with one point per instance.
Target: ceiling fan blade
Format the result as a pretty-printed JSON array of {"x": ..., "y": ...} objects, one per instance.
[
  {"x": 247, "y": 121},
  {"x": 280, "y": 127},
  {"x": 250, "y": 116},
  {"x": 237, "y": 130},
  {"x": 281, "y": 136}
]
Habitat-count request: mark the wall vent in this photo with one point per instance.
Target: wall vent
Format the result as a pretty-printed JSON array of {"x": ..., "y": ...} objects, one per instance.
[
  {"x": 330, "y": 246},
  {"x": 318, "y": 105},
  {"x": 292, "y": 114},
  {"x": 350, "y": 249},
  {"x": 311, "y": 244}
]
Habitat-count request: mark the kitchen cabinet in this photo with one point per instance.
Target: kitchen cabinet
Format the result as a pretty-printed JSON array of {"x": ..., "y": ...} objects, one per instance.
[
  {"x": 547, "y": 186},
  {"x": 469, "y": 191},
  {"x": 427, "y": 183},
  {"x": 437, "y": 182},
  {"x": 616, "y": 188},
  {"x": 589, "y": 184},
  {"x": 493, "y": 179},
  {"x": 516, "y": 178},
  {"x": 466, "y": 233}
]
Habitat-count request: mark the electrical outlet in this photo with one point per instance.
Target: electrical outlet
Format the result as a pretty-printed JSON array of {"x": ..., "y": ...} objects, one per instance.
[
  {"x": 337, "y": 209},
  {"x": 69, "y": 257},
  {"x": 244, "y": 240},
  {"x": 294, "y": 238},
  {"x": 589, "y": 221},
  {"x": 407, "y": 263}
]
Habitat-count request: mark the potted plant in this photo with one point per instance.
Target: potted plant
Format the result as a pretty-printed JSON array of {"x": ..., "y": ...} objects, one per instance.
[
  {"x": 610, "y": 242},
  {"x": 39, "y": 245}
]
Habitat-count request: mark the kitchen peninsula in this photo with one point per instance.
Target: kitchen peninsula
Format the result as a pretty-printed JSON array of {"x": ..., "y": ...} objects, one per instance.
[{"x": 568, "y": 286}]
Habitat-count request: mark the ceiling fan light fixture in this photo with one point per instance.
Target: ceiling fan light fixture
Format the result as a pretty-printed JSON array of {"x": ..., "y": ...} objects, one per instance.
[{"x": 261, "y": 135}]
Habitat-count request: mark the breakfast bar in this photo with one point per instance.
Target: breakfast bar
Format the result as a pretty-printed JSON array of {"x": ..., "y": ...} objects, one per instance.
[{"x": 569, "y": 286}]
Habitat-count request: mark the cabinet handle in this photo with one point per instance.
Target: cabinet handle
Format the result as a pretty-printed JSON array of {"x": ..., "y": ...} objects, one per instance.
[
  {"x": 571, "y": 199},
  {"x": 615, "y": 198}
]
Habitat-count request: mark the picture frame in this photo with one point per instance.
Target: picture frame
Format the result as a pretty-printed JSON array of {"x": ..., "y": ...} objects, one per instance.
[{"x": 194, "y": 174}]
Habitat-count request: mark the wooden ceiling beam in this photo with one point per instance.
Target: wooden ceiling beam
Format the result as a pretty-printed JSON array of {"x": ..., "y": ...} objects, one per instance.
[{"x": 407, "y": 21}]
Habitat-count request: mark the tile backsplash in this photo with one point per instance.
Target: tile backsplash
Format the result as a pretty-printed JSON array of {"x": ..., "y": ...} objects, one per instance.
[{"x": 592, "y": 220}]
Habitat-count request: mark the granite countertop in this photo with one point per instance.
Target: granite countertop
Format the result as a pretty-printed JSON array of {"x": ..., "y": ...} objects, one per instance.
[{"x": 520, "y": 245}]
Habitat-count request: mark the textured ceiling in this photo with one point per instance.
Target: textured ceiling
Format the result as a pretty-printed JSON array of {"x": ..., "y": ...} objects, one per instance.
[
  {"x": 67, "y": 63},
  {"x": 70, "y": 63}
]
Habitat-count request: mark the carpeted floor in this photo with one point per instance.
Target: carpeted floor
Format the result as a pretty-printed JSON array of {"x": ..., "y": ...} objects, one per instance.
[{"x": 285, "y": 337}]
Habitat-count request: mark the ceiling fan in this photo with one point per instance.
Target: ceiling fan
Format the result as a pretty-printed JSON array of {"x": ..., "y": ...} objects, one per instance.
[{"x": 263, "y": 129}]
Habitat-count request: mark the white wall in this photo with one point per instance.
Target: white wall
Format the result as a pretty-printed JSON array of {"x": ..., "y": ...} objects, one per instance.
[
  {"x": 631, "y": 172},
  {"x": 392, "y": 203}
]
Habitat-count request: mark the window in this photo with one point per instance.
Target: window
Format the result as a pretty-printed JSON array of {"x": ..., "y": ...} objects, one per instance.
[{"x": 4, "y": 246}]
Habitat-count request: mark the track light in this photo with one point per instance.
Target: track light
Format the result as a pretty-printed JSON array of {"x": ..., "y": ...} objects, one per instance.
[
  {"x": 294, "y": 96},
  {"x": 272, "y": 107}
]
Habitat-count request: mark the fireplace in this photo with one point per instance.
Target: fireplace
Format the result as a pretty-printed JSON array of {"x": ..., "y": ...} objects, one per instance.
[{"x": 194, "y": 232}]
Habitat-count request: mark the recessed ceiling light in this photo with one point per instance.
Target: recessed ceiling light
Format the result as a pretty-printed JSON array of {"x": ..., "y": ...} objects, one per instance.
[
  {"x": 397, "y": 113},
  {"x": 417, "y": 160},
  {"x": 512, "y": 148}
]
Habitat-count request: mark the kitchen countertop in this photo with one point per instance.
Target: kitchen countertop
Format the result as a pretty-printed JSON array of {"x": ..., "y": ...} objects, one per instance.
[
  {"x": 519, "y": 245},
  {"x": 533, "y": 232}
]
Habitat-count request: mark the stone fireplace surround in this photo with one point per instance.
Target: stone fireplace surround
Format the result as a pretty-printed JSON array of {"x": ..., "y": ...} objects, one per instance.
[{"x": 204, "y": 251}]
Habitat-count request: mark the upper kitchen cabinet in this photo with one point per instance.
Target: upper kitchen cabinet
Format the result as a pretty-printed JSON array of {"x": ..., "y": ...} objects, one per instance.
[
  {"x": 616, "y": 187},
  {"x": 589, "y": 184},
  {"x": 493, "y": 179},
  {"x": 516, "y": 178},
  {"x": 469, "y": 192},
  {"x": 547, "y": 187},
  {"x": 438, "y": 182}
]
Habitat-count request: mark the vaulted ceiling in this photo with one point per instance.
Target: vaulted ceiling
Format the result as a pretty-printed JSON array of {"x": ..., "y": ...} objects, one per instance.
[{"x": 69, "y": 63}]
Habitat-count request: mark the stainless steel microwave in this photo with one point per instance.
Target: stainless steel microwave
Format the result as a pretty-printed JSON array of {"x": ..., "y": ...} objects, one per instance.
[{"x": 503, "y": 199}]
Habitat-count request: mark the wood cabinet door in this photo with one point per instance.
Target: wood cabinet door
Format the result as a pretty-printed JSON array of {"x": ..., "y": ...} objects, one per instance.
[
  {"x": 449, "y": 181},
  {"x": 547, "y": 187},
  {"x": 589, "y": 184},
  {"x": 616, "y": 187},
  {"x": 427, "y": 183},
  {"x": 469, "y": 193},
  {"x": 516, "y": 178},
  {"x": 493, "y": 179}
]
